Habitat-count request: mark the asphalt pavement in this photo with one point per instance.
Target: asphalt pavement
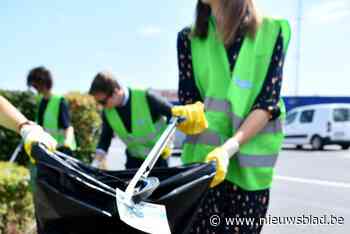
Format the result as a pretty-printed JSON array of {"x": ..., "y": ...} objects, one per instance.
[{"x": 311, "y": 184}]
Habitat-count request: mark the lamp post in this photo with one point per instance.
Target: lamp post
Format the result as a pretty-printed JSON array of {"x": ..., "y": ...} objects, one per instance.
[{"x": 298, "y": 46}]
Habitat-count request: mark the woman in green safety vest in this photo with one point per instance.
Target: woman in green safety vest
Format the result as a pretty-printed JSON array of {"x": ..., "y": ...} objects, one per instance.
[
  {"x": 137, "y": 117},
  {"x": 232, "y": 60},
  {"x": 53, "y": 112}
]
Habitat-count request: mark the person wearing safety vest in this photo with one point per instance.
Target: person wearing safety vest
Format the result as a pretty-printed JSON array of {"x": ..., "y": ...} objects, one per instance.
[
  {"x": 53, "y": 112},
  {"x": 232, "y": 60},
  {"x": 138, "y": 118}
]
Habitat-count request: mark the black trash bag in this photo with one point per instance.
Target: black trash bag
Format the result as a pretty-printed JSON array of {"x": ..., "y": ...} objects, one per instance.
[{"x": 68, "y": 203}]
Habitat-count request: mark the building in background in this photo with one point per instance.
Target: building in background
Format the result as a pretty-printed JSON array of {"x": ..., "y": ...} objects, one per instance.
[
  {"x": 296, "y": 101},
  {"x": 290, "y": 101}
]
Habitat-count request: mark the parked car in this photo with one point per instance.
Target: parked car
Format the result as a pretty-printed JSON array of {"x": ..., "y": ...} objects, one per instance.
[{"x": 318, "y": 125}]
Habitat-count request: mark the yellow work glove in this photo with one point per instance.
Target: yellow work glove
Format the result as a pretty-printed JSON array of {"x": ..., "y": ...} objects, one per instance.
[
  {"x": 221, "y": 155},
  {"x": 166, "y": 152},
  {"x": 33, "y": 133},
  {"x": 195, "y": 121}
]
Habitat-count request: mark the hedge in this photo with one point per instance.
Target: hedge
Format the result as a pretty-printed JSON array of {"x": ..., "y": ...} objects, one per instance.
[
  {"x": 86, "y": 121},
  {"x": 16, "y": 206}
]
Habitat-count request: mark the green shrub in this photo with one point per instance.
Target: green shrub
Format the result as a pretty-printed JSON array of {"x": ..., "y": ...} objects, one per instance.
[
  {"x": 86, "y": 122},
  {"x": 16, "y": 206}
]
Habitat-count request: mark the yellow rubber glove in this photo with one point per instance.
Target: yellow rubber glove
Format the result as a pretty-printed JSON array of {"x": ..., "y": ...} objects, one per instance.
[
  {"x": 222, "y": 159},
  {"x": 195, "y": 121},
  {"x": 33, "y": 133},
  {"x": 166, "y": 152}
]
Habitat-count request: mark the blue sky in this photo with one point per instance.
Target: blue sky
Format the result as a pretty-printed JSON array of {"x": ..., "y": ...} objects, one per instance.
[{"x": 136, "y": 40}]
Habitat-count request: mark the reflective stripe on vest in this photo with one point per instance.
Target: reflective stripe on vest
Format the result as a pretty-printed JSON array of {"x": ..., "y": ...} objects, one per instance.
[
  {"x": 206, "y": 138},
  {"x": 256, "y": 160},
  {"x": 212, "y": 104},
  {"x": 245, "y": 160},
  {"x": 145, "y": 139}
]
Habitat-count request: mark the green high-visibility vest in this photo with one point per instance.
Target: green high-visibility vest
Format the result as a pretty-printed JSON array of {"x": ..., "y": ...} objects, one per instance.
[
  {"x": 50, "y": 121},
  {"x": 229, "y": 97},
  {"x": 144, "y": 133}
]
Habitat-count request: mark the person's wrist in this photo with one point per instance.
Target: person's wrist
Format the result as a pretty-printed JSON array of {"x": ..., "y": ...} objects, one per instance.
[
  {"x": 231, "y": 147},
  {"x": 23, "y": 124},
  {"x": 223, "y": 153},
  {"x": 27, "y": 128}
]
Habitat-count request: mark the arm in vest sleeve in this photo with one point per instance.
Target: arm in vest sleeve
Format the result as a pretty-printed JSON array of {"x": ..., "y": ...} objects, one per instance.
[
  {"x": 158, "y": 105},
  {"x": 103, "y": 145},
  {"x": 269, "y": 95},
  {"x": 187, "y": 86},
  {"x": 68, "y": 137},
  {"x": 188, "y": 92},
  {"x": 64, "y": 123},
  {"x": 64, "y": 120}
]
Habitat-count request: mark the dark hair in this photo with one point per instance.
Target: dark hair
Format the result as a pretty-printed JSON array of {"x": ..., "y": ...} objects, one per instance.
[
  {"x": 235, "y": 14},
  {"x": 40, "y": 76},
  {"x": 104, "y": 82}
]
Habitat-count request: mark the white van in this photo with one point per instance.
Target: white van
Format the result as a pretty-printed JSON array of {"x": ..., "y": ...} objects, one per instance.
[{"x": 318, "y": 125}]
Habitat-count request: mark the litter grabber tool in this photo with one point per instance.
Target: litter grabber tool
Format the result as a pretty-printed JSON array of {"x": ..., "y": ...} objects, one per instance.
[
  {"x": 131, "y": 204},
  {"x": 143, "y": 172},
  {"x": 16, "y": 152}
]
